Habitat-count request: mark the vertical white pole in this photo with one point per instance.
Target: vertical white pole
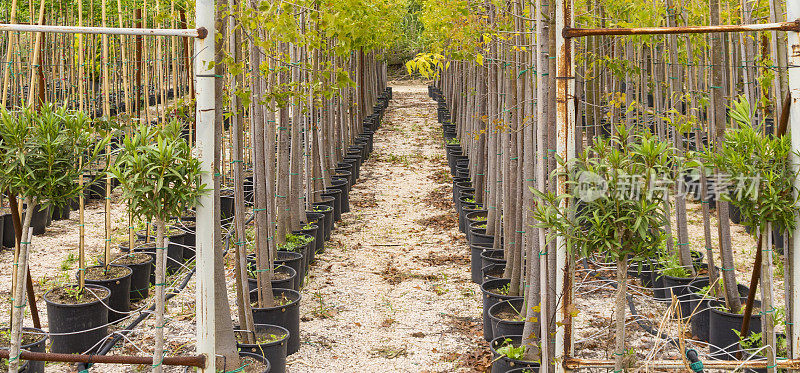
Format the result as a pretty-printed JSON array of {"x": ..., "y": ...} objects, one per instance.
[
  {"x": 793, "y": 12},
  {"x": 565, "y": 129},
  {"x": 206, "y": 216}
]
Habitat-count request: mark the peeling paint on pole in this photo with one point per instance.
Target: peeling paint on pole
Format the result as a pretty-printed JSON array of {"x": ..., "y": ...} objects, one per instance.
[
  {"x": 206, "y": 214},
  {"x": 565, "y": 127},
  {"x": 793, "y": 12}
]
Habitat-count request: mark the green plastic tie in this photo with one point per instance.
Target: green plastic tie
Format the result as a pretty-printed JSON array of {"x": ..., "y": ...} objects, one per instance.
[{"x": 257, "y": 210}]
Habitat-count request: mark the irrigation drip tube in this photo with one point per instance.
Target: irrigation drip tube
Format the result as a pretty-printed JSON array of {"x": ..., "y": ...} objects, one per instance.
[{"x": 109, "y": 345}]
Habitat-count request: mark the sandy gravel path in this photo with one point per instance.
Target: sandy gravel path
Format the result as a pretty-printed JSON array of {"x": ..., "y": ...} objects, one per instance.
[{"x": 392, "y": 292}]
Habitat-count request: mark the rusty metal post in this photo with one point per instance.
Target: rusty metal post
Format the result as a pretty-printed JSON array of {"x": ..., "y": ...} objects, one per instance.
[
  {"x": 793, "y": 12},
  {"x": 565, "y": 128}
]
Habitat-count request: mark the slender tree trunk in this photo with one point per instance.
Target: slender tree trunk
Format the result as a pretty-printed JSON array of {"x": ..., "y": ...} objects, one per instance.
[
  {"x": 717, "y": 80},
  {"x": 161, "y": 279},
  {"x": 620, "y": 312},
  {"x": 767, "y": 296},
  {"x": 21, "y": 268}
]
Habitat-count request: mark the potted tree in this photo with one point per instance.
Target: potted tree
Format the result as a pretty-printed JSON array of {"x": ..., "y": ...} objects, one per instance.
[
  {"x": 40, "y": 160},
  {"x": 160, "y": 179},
  {"x": 761, "y": 183},
  {"x": 620, "y": 184}
]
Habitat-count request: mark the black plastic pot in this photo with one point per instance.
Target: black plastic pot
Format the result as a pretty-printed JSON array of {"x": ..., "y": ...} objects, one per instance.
[
  {"x": 84, "y": 323},
  {"x": 31, "y": 366},
  {"x": 699, "y": 304},
  {"x": 475, "y": 216},
  {"x": 477, "y": 234},
  {"x": 356, "y": 162},
  {"x": 262, "y": 359},
  {"x": 502, "y": 327},
  {"x": 287, "y": 316},
  {"x": 504, "y": 364},
  {"x": 492, "y": 256},
  {"x": 460, "y": 186},
  {"x": 189, "y": 229},
  {"x": 326, "y": 210},
  {"x": 349, "y": 167},
  {"x": 120, "y": 300},
  {"x": 39, "y": 219},
  {"x": 337, "y": 202},
  {"x": 311, "y": 231},
  {"x": 492, "y": 272},
  {"x": 288, "y": 283},
  {"x": 60, "y": 212},
  {"x": 345, "y": 173},
  {"x": 722, "y": 338},
  {"x": 318, "y": 219},
  {"x": 226, "y": 209},
  {"x": 174, "y": 249},
  {"x": 7, "y": 233},
  {"x": 679, "y": 286},
  {"x": 489, "y": 299},
  {"x": 466, "y": 210},
  {"x": 657, "y": 282},
  {"x": 476, "y": 263},
  {"x": 274, "y": 351},
  {"x": 140, "y": 278},
  {"x": 293, "y": 260},
  {"x": 342, "y": 185}
]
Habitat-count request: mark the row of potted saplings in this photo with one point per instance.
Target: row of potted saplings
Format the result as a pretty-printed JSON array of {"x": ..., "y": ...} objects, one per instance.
[
  {"x": 78, "y": 321},
  {"x": 277, "y": 329},
  {"x": 43, "y": 216},
  {"x": 709, "y": 318},
  {"x": 500, "y": 312}
]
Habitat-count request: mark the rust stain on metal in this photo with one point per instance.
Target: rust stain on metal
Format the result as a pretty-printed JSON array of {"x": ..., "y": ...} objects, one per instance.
[{"x": 781, "y": 26}]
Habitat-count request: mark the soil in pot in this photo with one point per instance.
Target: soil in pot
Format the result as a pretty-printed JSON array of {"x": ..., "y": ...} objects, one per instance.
[
  {"x": 116, "y": 278},
  {"x": 310, "y": 230},
  {"x": 493, "y": 272},
  {"x": 505, "y": 318},
  {"x": 493, "y": 291},
  {"x": 283, "y": 277},
  {"x": 477, "y": 234},
  {"x": 293, "y": 260},
  {"x": 33, "y": 340},
  {"x": 505, "y": 353},
  {"x": 142, "y": 266},
  {"x": 269, "y": 341},
  {"x": 722, "y": 326},
  {"x": 285, "y": 313},
  {"x": 251, "y": 363},
  {"x": 317, "y": 219},
  {"x": 326, "y": 209},
  {"x": 83, "y": 315}
]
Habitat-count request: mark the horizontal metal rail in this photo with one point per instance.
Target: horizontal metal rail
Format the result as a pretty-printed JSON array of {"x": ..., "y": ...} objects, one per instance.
[
  {"x": 199, "y": 33},
  {"x": 198, "y": 361},
  {"x": 574, "y": 363},
  {"x": 780, "y": 26}
]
